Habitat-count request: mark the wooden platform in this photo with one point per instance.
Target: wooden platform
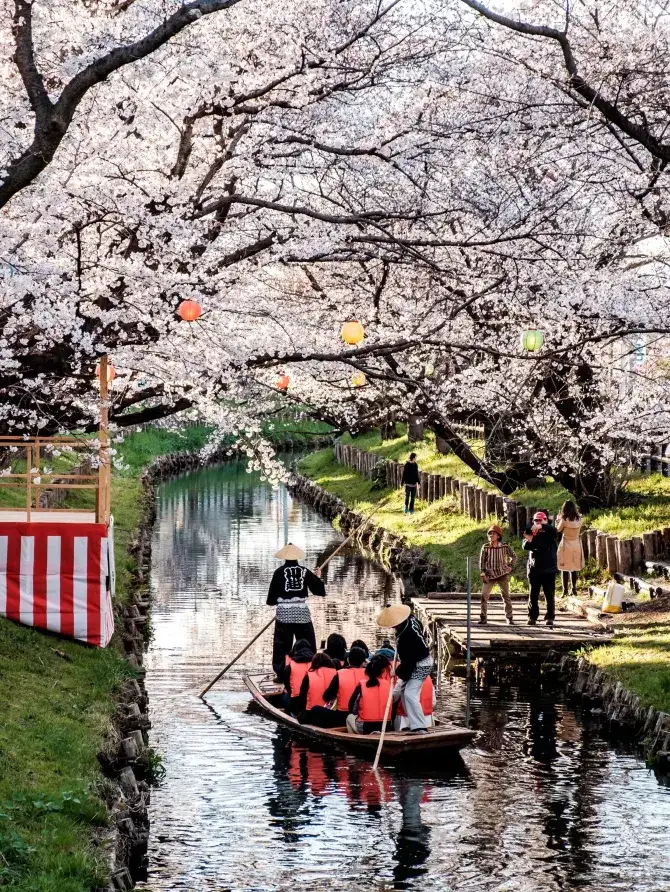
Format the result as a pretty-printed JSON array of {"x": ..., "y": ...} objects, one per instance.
[
  {"x": 63, "y": 516},
  {"x": 449, "y": 611}
]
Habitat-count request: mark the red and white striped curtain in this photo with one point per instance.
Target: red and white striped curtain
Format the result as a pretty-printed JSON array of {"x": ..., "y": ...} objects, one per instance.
[{"x": 56, "y": 576}]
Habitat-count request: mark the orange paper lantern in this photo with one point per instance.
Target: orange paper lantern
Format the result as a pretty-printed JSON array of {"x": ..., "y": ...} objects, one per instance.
[
  {"x": 282, "y": 383},
  {"x": 352, "y": 332},
  {"x": 189, "y": 310}
]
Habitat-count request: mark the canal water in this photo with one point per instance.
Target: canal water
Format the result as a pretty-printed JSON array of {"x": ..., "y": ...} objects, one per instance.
[{"x": 539, "y": 804}]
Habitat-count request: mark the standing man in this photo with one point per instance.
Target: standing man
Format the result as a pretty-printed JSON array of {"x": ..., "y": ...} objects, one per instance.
[
  {"x": 289, "y": 589},
  {"x": 415, "y": 662},
  {"x": 410, "y": 479},
  {"x": 540, "y": 542}
]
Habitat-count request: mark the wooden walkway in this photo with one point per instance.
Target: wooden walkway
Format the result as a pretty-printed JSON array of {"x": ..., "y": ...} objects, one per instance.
[{"x": 448, "y": 611}]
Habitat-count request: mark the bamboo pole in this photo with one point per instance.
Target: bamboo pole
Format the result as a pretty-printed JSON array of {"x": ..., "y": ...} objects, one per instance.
[
  {"x": 386, "y": 711},
  {"x": 266, "y": 627}
]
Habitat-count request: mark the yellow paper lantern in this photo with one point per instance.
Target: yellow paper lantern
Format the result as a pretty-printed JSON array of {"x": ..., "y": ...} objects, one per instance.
[
  {"x": 358, "y": 380},
  {"x": 532, "y": 340},
  {"x": 352, "y": 332}
]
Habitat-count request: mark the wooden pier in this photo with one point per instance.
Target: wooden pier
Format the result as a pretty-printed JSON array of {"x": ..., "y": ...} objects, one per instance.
[{"x": 445, "y": 613}]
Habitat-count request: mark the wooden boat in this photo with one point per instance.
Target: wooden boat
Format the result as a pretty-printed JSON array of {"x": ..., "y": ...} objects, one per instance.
[{"x": 440, "y": 739}]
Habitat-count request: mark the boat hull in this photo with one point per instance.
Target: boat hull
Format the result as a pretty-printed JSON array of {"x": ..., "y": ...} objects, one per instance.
[{"x": 441, "y": 739}]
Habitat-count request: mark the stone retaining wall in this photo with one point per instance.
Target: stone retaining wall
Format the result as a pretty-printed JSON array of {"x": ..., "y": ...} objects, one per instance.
[
  {"x": 620, "y": 711},
  {"x": 623, "y": 556}
]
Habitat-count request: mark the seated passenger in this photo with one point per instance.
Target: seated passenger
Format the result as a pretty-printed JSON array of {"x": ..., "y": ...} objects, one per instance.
[
  {"x": 368, "y": 702},
  {"x": 313, "y": 687},
  {"x": 363, "y": 646},
  {"x": 339, "y": 692},
  {"x": 427, "y": 698},
  {"x": 336, "y": 648},
  {"x": 297, "y": 664}
]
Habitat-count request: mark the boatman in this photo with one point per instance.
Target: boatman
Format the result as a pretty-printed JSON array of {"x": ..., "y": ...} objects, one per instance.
[{"x": 290, "y": 587}]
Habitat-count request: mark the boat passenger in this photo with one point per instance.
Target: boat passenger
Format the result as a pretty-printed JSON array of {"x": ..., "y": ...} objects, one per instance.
[
  {"x": 336, "y": 648},
  {"x": 427, "y": 698},
  {"x": 415, "y": 661},
  {"x": 290, "y": 587},
  {"x": 363, "y": 646},
  {"x": 317, "y": 678},
  {"x": 297, "y": 664},
  {"x": 339, "y": 693},
  {"x": 368, "y": 702}
]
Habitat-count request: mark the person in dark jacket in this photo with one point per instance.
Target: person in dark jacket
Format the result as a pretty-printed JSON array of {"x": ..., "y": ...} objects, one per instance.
[
  {"x": 540, "y": 541},
  {"x": 415, "y": 662},
  {"x": 336, "y": 648},
  {"x": 410, "y": 480},
  {"x": 290, "y": 587}
]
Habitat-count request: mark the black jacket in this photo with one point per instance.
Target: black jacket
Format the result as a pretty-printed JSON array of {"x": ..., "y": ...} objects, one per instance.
[
  {"x": 410, "y": 473},
  {"x": 411, "y": 645},
  {"x": 294, "y": 581},
  {"x": 542, "y": 548}
]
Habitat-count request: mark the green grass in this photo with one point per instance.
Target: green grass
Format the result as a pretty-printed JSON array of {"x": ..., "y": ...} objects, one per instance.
[
  {"x": 639, "y": 657},
  {"x": 55, "y": 714},
  {"x": 139, "y": 449},
  {"x": 645, "y": 504},
  {"x": 439, "y": 527}
]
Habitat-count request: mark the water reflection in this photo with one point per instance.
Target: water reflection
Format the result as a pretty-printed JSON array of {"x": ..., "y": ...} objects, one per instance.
[{"x": 541, "y": 803}]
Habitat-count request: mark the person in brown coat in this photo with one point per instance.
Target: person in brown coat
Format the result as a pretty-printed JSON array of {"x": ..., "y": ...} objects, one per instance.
[
  {"x": 570, "y": 553},
  {"x": 496, "y": 562}
]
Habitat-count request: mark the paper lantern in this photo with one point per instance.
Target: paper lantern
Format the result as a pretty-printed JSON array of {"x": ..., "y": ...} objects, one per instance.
[
  {"x": 352, "y": 332},
  {"x": 532, "y": 340},
  {"x": 189, "y": 310},
  {"x": 358, "y": 380},
  {"x": 282, "y": 383},
  {"x": 111, "y": 372},
  {"x": 429, "y": 369}
]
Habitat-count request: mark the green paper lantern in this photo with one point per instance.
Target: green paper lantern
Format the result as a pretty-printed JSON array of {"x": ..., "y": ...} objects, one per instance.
[{"x": 532, "y": 340}]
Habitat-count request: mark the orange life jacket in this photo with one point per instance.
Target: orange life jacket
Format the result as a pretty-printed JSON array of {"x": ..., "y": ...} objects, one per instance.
[
  {"x": 298, "y": 672},
  {"x": 317, "y": 682},
  {"x": 373, "y": 701},
  {"x": 425, "y": 699},
  {"x": 348, "y": 679}
]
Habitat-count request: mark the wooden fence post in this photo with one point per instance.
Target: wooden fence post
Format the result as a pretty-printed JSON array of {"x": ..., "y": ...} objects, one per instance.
[
  {"x": 649, "y": 543},
  {"x": 612, "y": 563},
  {"x": 624, "y": 555},
  {"x": 520, "y": 518},
  {"x": 592, "y": 536},
  {"x": 601, "y": 549},
  {"x": 637, "y": 557}
]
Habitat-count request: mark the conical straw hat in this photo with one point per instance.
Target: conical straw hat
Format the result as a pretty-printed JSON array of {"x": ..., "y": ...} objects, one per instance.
[
  {"x": 290, "y": 552},
  {"x": 393, "y": 615}
]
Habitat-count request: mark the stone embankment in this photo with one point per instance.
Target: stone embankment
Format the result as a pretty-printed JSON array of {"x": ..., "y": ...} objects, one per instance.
[{"x": 621, "y": 711}]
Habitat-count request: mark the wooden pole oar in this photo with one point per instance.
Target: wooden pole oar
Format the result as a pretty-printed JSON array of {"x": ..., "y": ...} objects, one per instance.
[
  {"x": 386, "y": 711},
  {"x": 235, "y": 659},
  {"x": 265, "y": 628}
]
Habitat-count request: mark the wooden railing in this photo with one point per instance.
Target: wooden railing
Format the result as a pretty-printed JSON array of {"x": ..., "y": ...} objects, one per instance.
[{"x": 37, "y": 452}]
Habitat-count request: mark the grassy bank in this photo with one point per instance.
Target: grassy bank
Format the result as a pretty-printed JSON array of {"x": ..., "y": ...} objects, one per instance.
[
  {"x": 57, "y": 701},
  {"x": 440, "y": 528},
  {"x": 645, "y": 505},
  {"x": 58, "y": 698},
  {"x": 639, "y": 657}
]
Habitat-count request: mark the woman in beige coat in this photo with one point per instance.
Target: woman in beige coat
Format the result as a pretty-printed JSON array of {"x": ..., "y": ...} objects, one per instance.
[{"x": 570, "y": 553}]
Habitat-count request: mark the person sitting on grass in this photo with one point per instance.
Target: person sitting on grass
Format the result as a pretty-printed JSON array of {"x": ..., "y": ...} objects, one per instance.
[{"x": 496, "y": 562}]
